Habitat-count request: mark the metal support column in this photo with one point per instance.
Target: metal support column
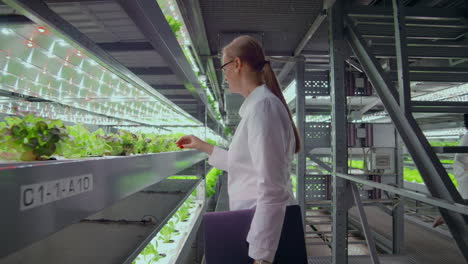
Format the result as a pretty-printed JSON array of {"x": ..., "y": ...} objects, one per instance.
[
  {"x": 364, "y": 223},
  {"x": 300, "y": 121},
  {"x": 339, "y": 142},
  {"x": 428, "y": 164},
  {"x": 398, "y": 211},
  {"x": 404, "y": 91}
]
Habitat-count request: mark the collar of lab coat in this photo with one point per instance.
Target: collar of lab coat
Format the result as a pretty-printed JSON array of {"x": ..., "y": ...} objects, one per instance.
[{"x": 258, "y": 93}]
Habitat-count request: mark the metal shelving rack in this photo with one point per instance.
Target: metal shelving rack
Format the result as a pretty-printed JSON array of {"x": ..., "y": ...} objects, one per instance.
[
  {"x": 41, "y": 199},
  {"x": 350, "y": 47},
  {"x": 435, "y": 177},
  {"x": 318, "y": 183},
  {"x": 63, "y": 204}
]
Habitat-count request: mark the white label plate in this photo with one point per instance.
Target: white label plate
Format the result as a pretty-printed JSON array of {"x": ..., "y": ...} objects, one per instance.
[{"x": 34, "y": 195}]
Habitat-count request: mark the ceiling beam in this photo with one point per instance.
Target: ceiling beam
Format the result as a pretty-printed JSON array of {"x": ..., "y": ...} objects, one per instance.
[
  {"x": 151, "y": 70},
  {"x": 174, "y": 92},
  {"x": 14, "y": 19},
  {"x": 389, "y": 40},
  {"x": 168, "y": 87},
  {"x": 76, "y": 1},
  {"x": 453, "y": 14},
  {"x": 173, "y": 97},
  {"x": 313, "y": 28},
  {"x": 434, "y": 77},
  {"x": 126, "y": 46},
  {"x": 423, "y": 52}
]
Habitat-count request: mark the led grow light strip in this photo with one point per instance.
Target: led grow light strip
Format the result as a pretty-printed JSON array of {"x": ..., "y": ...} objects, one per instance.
[
  {"x": 66, "y": 63},
  {"x": 171, "y": 8},
  {"x": 445, "y": 94},
  {"x": 55, "y": 76},
  {"x": 57, "y": 94},
  {"x": 57, "y": 111},
  {"x": 445, "y": 132}
]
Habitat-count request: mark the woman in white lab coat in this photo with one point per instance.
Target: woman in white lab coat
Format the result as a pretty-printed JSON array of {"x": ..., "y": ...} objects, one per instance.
[{"x": 259, "y": 157}]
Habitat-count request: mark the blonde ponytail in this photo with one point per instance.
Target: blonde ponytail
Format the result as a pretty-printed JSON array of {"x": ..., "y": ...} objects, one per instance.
[{"x": 272, "y": 83}]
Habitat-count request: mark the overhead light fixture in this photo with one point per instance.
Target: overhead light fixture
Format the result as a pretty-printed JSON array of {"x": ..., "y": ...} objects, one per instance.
[
  {"x": 42, "y": 30},
  {"x": 6, "y": 31},
  {"x": 30, "y": 44}
]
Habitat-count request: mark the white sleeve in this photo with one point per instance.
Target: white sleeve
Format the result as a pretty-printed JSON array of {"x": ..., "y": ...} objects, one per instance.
[
  {"x": 219, "y": 158},
  {"x": 268, "y": 141}
]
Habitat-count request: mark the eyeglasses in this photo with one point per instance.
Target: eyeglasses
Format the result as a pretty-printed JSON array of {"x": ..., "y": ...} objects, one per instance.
[{"x": 225, "y": 64}]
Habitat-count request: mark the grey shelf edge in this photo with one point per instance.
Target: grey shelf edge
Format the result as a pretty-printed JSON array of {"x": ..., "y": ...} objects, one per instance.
[
  {"x": 110, "y": 180},
  {"x": 151, "y": 21},
  {"x": 155, "y": 231},
  {"x": 185, "y": 252}
]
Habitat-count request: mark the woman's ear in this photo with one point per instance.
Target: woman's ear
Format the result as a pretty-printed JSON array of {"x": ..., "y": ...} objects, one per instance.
[{"x": 237, "y": 64}]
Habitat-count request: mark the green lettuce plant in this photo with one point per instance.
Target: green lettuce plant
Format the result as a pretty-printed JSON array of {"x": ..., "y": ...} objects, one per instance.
[
  {"x": 30, "y": 138},
  {"x": 128, "y": 142},
  {"x": 183, "y": 214},
  {"x": 166, "y": 234},
  {"x": 171, "y": 224},
  {"x": 211, "y": 178},
  {"x": 152, "y": 251},
  {"x": 34, "y": 138},
  {"x": 141, "y": 144},
  {"x": 82, "y": 143}
]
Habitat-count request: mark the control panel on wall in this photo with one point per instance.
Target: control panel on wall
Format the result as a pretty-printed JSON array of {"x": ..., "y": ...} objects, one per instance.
[
  {"x": 378, "y": 146},
  {"x": 381, "y": 160}
]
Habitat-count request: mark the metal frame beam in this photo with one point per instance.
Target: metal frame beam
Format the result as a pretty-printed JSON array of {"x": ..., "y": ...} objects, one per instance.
[
  {"x": 151, "y": 70},
  {"x": 457, "y": 149},
  {"x": 169, "y": 87},
  {"x": 434, "y": 76},
  {"x": 339, "y": 133},
  {"x": 369, "y": 106},
  {"x": 388, "y": 41},
  {"x": 320, "y": 163},
  {"x": 313, "y": 28},
  {"x": 432, "y": 171},
  {"x": 423, "y": 52},
  {"x": 300, "y": 121},
  {"x": 365, "y": 225},
  {"x": 439, "y": 107},
  {"x": 191, "y": 11},
  {"x": 151, "y": 21},
  {"x": 450, "y": 14},
  {"x": 459, "y": 208},
  {"x": 13, "y": 20},
  {"x": 404, "y": 91},
  {"x": 126, "y": 46}
]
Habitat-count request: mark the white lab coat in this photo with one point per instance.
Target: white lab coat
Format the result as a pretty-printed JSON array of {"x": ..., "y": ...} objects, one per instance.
[
  {"x": 460, "y": 169},
  {"x": 258, "y": 165}
]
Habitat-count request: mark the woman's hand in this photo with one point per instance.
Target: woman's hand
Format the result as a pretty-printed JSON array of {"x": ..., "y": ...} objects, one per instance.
[{"x": 191, "y": 141}]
